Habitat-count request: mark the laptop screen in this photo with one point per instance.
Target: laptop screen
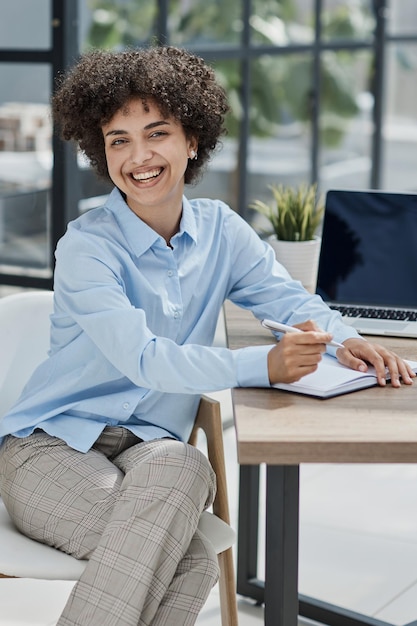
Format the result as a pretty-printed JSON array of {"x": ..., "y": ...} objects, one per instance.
[{"x": 369, "y": 249}]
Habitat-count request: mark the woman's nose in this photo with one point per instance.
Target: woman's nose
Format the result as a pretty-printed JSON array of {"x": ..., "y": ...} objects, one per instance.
[{"x": 140, "y": 152}]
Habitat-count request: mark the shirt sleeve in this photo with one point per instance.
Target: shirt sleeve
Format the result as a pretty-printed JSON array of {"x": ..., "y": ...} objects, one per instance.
[
  {"x": 261, "y": 284},
  {"x": 98, "y": 322},
  {"x": 91, "y": 289}
]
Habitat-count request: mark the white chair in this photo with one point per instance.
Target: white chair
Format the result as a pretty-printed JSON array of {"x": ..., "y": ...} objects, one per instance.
[{"x": 36, "y": 580}]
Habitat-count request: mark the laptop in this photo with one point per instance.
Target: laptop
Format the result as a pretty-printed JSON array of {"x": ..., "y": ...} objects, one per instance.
[{"x": 368, "y": 260}]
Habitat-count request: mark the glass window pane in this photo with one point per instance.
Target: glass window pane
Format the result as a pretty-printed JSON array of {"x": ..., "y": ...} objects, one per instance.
[
  {"x": 345, "y": 120},
  {"x": 402, "y": 17},
  {"x": 24, "y": 215},
  {"x": 282, "y": 22},
  {"x": 220, "y": 178},
  {"x": 280, "y": 130},
  {"x": 25, "y": 168},
  {"x": 25, "y": 82},
  {"x": 116, "y": 24},
  {"x": 200, "y": 22},
  {"x": 25, "y": 24},
  {"x": 351, "y": 19},
  {"x": 400, "y": 120}
]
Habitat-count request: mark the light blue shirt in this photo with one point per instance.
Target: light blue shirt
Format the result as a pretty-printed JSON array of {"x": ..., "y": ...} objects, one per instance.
[{"x": 134, "y": 322}]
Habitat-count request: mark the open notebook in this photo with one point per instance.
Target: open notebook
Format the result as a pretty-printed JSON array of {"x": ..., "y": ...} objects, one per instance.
[
  {"x": 368, "y": 260},
  {"x": 333, "y": 379}
]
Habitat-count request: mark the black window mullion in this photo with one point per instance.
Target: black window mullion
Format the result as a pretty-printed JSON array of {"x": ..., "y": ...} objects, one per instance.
[
  {"x": 315, "y": 99},
  {"x": 66, "y": 189},
  {"x": 25, "y": 56},
  {"x": 162, "y": 35},
  {"x": 377, "y": 87},
  {"x": 245, "y": 94}
]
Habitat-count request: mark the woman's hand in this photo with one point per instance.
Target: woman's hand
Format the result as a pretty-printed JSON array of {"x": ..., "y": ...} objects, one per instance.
[
  {"x": 297, "y": 354},
  {"x": 358, "y": 353}
]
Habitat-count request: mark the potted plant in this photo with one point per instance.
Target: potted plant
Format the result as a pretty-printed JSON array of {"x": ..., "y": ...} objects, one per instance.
[{"x": 295, "y": 215}]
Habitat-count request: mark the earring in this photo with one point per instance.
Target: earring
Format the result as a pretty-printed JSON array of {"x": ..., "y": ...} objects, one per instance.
[{"x": 194, "y": 155}]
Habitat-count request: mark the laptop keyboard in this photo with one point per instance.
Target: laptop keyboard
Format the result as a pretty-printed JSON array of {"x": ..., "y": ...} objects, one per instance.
[{"x": 375, "y": 312}]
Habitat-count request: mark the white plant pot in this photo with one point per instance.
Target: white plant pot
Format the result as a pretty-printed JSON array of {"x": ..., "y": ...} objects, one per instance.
[{"x": 300, "y": 258}]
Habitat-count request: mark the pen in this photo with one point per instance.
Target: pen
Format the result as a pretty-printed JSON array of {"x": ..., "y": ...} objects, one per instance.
[{"x": 284, "y": 328}]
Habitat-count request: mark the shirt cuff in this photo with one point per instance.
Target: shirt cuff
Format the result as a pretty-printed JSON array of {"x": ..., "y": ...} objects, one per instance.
[
  {"x": 347, "y": 332},
  {"x": 252, "y": 366}
]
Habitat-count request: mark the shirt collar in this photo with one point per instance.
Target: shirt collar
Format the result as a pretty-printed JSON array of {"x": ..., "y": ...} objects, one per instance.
[
  {"x": 188, "y": 222},
  {"x": 139, "y": 236}
]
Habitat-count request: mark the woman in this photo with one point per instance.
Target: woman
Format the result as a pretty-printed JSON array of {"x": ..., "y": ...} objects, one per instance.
[{"x": 94, "y": 459}]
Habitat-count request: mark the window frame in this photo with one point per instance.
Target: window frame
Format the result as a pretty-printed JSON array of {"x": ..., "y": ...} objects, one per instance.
[{"x": 66, "y": 186}]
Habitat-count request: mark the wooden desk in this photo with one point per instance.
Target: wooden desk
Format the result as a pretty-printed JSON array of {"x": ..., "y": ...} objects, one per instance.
[{"x": 282, "y": 430}]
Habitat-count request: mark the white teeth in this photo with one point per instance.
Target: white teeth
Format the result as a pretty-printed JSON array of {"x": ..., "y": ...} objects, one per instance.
[{"x": 147, "y": 175}]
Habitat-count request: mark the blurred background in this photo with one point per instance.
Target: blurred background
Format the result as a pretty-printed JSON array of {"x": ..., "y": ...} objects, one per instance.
[{"x": 321, "y": 91}]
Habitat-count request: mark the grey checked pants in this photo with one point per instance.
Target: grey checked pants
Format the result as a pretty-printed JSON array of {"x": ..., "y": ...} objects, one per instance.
[{"x": 132, "y": 509}]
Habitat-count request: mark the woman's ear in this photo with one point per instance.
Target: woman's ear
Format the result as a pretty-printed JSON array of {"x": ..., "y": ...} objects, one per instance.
[{"x": 193, "y": 149}]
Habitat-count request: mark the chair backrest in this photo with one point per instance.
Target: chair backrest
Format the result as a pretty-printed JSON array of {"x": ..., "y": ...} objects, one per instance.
[{"x": 24, "y": 340}]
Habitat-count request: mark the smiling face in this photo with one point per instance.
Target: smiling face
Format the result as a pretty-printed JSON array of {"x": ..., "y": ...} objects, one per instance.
[{"x": 147, "y": 156}]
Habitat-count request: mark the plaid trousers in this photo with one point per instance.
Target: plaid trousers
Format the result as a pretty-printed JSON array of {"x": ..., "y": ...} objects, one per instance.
[{"x": 131, "y": 508}]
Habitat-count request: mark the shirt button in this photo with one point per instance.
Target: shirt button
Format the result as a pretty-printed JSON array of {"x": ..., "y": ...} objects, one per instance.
[
  {"x": 170, "y": 272},
  {"x": 126, "y": 405},
  {"x": 176, "y": 315}
]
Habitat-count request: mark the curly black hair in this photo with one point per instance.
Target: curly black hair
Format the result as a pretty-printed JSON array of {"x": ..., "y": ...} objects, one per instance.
[{"x": 181, "y": 84}]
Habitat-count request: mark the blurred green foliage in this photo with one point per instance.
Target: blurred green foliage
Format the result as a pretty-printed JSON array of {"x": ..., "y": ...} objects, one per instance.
[{"x": 281, "y": 90}]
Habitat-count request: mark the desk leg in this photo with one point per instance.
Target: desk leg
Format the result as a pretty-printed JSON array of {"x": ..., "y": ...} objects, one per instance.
[
  {"x": 279, "y": 592},
  {"x": 282, "y": 497},
  {"x": 281, "y": 572},
  {"x": 247, "y": 555}
]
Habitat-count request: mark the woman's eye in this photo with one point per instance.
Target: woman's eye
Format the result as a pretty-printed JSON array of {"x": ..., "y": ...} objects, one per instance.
[
  {"x": 158, "y": 133},
  {"x": 118, "y": 142}
]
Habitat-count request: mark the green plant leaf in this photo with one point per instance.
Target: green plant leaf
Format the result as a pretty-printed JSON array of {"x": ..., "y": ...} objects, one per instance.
[{"x": 295, "y": 212}]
